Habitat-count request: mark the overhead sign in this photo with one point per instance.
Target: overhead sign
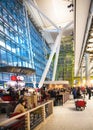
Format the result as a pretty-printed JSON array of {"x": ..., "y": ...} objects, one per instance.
[{"x": 17, "y": 78}]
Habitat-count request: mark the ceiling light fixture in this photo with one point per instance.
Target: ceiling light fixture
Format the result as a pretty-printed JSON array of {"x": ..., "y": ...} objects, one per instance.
[
  {"x": 90, "y": 40},
  {"x": 91, "y": 33},
  {"x": 90, "y": 45},
  {"x": 89, "y": 49}
]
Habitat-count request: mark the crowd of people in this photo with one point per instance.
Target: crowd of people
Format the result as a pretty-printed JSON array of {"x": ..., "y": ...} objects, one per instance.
[
  {"x": 79, "y": 92},
  {"x": 20, "y": 102}
]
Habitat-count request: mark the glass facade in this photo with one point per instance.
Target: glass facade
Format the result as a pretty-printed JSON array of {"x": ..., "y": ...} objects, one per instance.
[
  {"x": 65, "y": 68},
  {"x": 20, "y": 42}
]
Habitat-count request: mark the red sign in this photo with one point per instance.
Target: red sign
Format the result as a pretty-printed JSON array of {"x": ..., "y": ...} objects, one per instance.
[
  {"x": 17, "y": 78},
  {"x": 14, "y": 78}
]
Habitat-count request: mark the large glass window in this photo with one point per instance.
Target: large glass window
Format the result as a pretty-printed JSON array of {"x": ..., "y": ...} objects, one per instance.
[
  {"x": 15, "y": 60},
  {"x": 0, "y": 76},
  {"x": 15, "y": 26},
  {"x": 1, "y": 25},
  {"x": 20, "y": 40},
  {"x": 16, "y": 37},
  {"x": 3, "y": 2},
  {"x": 9, "y": 58},
  {"x": 12, "y": 34},
  {"x": 5, "y": 15},
  {"x": 18, "y": 50},
  {"x": 3, "y": 56},
  {"x": 23, "y": 63},
  {"x": 8, "y": 44},
  {"x": 19, "y": 62},
  {"x": 7, "y": 29},
  {"x": 0, "y": 10},
  {"x": 5, "y": 76},
  {"x": 13, "y": 48},
  {"x": 11, "y": 22},
  {"x": 2, "y": 41},
  {"x": 23, "y": 53}
]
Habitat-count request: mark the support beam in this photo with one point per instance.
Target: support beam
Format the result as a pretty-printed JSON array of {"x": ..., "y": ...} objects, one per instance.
[
  {"x": 57, "y": 41},
  {"x": 56, "y": 61},
  {"x": 81, "y": 76},
  {"x": 87, "y": 69}
]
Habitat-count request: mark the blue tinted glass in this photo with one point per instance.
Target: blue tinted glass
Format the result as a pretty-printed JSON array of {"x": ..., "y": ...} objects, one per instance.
[
  {"x": 19, "y": 62},
  {"x": 18, "y": 50},
  {"x": 8, "y": 44},
  {"x": 16, "y": 38},
  {"x": 15, "y": 60},
  {"x": 9, "y": 58},
  {"x": 12, "y": 34},
  {"x": 2, "y": 41},
  {"x": 7, "y": 30},
  {"x": 13, "y": 48},
  {"x": 0, "y": 10},
  {"x": 3, "y": 57},
  {"x": 5, "y": 15},
  {"x": 6, "y": 76}
]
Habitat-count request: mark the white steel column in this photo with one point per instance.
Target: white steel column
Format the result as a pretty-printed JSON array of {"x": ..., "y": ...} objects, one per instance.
[
  {"x": 87, "y": 69},
  {"x": 58, "y": 39},
  {"x": 56, "y": 61},
  {"x": 81, "y": 76}
]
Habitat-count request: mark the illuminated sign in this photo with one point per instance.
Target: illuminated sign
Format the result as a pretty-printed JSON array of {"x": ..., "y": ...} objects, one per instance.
[{"x": 17, "y": 78}]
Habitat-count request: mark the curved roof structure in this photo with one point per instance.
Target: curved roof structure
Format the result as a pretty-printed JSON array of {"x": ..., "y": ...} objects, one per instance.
[{"x": 50, "y": 15}]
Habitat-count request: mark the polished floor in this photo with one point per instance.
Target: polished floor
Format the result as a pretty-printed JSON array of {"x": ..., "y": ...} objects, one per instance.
[{"x": 66, "y": 117}]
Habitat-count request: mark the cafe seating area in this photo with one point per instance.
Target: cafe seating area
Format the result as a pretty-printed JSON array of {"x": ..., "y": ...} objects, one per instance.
[{"x": 39, "y": 106}]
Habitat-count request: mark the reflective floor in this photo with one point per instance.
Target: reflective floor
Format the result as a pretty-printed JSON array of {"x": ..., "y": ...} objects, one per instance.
[{"x": 66, "y": 117}]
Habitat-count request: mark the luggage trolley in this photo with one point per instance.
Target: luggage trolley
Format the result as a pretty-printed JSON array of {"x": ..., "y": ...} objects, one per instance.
[{"x": 80, "y": 104}]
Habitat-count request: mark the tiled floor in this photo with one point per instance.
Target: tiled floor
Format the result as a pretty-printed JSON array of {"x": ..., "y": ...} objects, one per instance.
[{"x": 66, "y": 117}]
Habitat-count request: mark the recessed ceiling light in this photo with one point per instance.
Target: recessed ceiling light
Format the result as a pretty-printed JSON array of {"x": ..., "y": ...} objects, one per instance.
[
  {"x": 91, "y": 33},
  {"x": 90, "y": 40}
]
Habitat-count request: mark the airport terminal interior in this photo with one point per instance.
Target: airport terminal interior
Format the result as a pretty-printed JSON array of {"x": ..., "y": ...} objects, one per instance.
[{"x": 46, "y": 67}]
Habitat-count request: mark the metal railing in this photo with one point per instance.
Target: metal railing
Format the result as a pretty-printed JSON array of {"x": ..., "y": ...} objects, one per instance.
[{"x": 30, "y": 119}]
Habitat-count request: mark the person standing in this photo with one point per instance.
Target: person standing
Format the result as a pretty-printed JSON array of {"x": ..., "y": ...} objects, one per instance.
[
  {"x": 74, "y": 92},
  {"x": 89, "y": 92}
]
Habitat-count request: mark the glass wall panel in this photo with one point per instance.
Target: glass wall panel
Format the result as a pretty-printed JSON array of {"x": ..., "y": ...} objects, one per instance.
[
  {"x": 9, "y": 58},
  {"x": 11, "y": 34},
  {"x": 8, "y": 44},
  {"x": 6, "y": 76},
  {"x": 5, "y": 15},
  {"x": 16, "y": 38},
  {"x": 2, "y": 41},
  {"x": 1, "y": 26},
  {"x": 21, "y": 40},
  {"x": 13, "y": 48},
  {"x": 15, "y": 60},
  {"x": 0, "y": 76},
  {"x": 0, "y": 10},
  {"x": 18, "y": 50},
  {"x": 3, "y": 57},
  {"x": 19, "y": 62},
  {"x": 6, "y": 29}
]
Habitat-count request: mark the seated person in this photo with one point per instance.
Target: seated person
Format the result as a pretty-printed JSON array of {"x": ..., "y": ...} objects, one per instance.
[
  {"x": 20, "y": 108},
  {"x": 7, "y": 106}
]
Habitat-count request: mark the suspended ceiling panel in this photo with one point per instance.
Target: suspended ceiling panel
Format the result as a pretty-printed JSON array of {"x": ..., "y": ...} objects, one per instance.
[{"x": 82, "y": 10}]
